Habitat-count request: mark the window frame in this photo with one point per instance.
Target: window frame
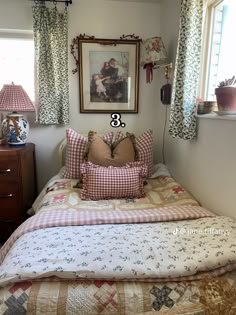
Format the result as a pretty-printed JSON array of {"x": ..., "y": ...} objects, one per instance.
[
  {"x": 16, "y": 34},
  {"x": 207, "y": 31}
]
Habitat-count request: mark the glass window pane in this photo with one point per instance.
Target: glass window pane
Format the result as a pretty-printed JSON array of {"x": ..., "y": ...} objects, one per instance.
[
  {"x": 222, "y": 61},
  {"x": 17, "y": 63}
]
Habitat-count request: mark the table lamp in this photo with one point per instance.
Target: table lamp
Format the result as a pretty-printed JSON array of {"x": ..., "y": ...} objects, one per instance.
[{"x": 13, "y": 98}]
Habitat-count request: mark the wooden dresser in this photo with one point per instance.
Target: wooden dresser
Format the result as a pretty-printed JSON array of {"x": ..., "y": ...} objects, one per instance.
[{"x": 17, "y": 185}]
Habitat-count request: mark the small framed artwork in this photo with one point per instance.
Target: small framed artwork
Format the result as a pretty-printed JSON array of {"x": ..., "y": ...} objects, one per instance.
[{"x": 108, "y": 74}]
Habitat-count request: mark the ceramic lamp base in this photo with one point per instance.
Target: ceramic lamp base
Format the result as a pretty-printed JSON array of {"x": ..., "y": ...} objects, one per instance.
[{"x": 15, "y": 129}]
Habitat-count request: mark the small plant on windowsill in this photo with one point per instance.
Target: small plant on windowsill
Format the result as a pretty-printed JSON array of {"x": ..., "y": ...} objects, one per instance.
[{"x": 226, "y": 95}]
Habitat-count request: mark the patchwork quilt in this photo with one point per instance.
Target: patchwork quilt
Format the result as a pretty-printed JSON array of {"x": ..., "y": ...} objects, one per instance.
[
  {"x": 205, "y": 297},
  {"x": 161, "y": 191}
]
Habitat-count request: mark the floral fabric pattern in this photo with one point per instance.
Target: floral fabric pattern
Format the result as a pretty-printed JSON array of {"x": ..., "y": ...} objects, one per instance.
[
  {"x": 182, "y": 119},
  {"x": 51, "y": 50},
  {"x": 164, "y": 251}
]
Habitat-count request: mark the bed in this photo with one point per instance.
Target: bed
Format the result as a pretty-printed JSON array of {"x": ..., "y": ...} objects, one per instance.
[{"x": 161, "y": 253}]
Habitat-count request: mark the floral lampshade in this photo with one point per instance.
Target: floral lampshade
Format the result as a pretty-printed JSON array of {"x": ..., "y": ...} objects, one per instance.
[
  {"x": 153, "y": 53},
  {"x": 15, "y": 127}
]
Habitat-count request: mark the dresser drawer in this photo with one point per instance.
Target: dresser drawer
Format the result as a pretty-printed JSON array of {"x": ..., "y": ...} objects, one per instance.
[
  {"x": 10, "y": 207},
  {"x": 17, "y": 185},
  {"x": 9, "y": 168}
]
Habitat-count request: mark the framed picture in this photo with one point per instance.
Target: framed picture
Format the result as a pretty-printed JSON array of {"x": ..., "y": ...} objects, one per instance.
[{"x": 108, "y": 75}]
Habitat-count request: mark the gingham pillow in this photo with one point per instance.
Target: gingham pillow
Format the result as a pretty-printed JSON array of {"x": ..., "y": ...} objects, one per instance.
[
  {"x": 144, "y": 146},
  {"x": 111, "y": 182},
  {"x": 75, "y": 150}
]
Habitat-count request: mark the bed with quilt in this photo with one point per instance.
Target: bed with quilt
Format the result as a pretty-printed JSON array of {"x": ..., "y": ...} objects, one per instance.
[{"x": 114, "y": 234}]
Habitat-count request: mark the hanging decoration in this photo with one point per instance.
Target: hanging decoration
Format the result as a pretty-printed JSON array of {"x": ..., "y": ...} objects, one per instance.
[{"x": 153, "y": 54}]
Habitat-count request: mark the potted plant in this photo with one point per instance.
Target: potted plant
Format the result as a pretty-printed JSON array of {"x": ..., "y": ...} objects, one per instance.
[{"x": 226, "y": 95}]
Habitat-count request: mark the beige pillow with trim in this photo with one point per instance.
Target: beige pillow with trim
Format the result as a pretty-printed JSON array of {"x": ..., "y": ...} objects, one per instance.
[{"x": 118, "y": 154}]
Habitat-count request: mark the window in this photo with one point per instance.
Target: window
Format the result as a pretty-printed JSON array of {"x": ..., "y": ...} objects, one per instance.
[
  {"x": 17, "y": 60},
  {"x": 221, "y": 59}
]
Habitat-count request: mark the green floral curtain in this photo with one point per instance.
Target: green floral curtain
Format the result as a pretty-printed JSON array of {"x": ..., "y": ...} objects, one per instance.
[
  {"x": 51, "y": 50},
  {"x": 182, "y": 119}
]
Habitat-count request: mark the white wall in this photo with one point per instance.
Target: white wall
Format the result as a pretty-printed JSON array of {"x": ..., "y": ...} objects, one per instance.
[
  {"x": 102, "y": 19},
  {"x": 206, "y": 165}
]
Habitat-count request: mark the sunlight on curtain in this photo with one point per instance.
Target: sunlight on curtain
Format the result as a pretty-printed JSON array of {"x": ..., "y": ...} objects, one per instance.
[
  {"x": 51, "y": 50},
  {"x": 182, "y": 119}
]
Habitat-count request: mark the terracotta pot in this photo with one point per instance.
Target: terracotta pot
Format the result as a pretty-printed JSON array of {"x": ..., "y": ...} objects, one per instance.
[{"x": 226, "y": 98}]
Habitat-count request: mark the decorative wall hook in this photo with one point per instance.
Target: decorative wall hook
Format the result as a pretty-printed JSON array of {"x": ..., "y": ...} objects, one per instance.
[
  {"x": 130, "y": 36},
  {"x": 74, "y": 47}
]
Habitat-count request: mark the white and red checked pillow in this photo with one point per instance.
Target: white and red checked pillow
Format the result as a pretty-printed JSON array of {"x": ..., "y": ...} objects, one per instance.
[
  {"x": 75, "y": 151},
  {"x": 144, "y": 145},
  {"x": 111, "y": 182}
]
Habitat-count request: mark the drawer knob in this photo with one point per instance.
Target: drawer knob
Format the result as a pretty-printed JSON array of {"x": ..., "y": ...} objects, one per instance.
[
  {"x": 8, "y": 170},
  {"x": 6, "y": 196}
]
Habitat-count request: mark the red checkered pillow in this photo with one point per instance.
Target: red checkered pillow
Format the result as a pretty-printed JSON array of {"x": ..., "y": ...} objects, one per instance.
[
  {"x": 75, "y": 151},
  {"x": 144, "y": 145},
  {"x": 111, "y": 182},
  {"x": 108, "y": 137}
]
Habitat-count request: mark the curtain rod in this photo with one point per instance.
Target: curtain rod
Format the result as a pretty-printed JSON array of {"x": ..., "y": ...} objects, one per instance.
[{"x": 67, "y": 2}]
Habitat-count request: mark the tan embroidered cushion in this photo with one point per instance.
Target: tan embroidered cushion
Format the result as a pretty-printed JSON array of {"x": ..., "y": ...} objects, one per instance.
[{"x": 99, "y": 152}]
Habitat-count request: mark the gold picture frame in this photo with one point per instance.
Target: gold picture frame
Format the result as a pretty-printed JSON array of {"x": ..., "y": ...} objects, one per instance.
[{"x": 108, "y": 73}]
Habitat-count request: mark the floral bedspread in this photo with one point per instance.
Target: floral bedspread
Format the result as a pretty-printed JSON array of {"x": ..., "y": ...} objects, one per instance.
[
  {"x": 162, "y": 254},
  {"x": 56, "y": 244}
]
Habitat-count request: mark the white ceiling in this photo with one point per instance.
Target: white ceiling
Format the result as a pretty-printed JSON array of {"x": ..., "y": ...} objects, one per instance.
[{"x": 147, "y": 1}]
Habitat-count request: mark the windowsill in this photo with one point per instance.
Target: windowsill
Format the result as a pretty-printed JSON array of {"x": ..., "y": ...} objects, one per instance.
[{"x": 215, "y": 116}]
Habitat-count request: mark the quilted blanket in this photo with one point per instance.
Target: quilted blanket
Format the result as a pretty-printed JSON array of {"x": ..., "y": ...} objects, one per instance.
[
  {"x": 205, "y": 297},
  {"x": 159, "y": 192},
  {"x": 163, "y": 253},
  {"x": 91, "y": 245}
]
